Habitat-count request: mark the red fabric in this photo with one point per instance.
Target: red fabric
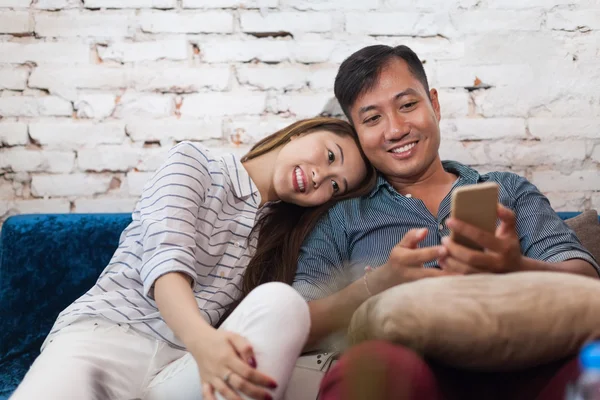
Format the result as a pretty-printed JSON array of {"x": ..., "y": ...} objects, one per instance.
[{"x": 380, "y": 370}]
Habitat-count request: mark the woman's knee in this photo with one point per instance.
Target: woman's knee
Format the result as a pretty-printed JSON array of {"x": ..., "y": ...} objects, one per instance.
[{"x": 280, "y": 301}]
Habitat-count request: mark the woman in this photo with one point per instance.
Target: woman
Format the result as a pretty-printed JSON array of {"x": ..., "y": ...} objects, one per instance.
[{"x": 184, "y": 263}]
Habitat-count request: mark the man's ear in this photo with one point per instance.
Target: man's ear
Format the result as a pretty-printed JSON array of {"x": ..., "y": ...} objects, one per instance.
[{"x": 433, "y": 96}]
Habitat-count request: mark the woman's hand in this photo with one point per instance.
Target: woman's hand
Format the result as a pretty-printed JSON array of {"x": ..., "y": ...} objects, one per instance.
[{"x": 227, "y": 364}]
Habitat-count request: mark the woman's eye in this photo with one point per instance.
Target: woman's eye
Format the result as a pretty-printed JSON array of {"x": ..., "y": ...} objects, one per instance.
[
  {"x": 336, "y": 187},
  {"x": 330, "y": 156}
]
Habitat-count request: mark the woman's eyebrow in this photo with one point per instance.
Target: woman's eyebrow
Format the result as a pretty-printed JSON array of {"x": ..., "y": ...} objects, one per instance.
[{"x": 341, "y": 152}]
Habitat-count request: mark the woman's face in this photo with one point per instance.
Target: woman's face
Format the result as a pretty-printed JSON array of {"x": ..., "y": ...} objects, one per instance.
[{"x": 312, "y": 168}]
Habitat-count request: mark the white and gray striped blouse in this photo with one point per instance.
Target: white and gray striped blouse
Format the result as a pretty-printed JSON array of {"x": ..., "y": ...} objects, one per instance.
[{"x": 195, "y": 216}]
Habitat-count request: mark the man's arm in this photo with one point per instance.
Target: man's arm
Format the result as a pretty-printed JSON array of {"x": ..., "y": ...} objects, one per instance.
[
  {"x": 333, "y": 313},
  {"x": 532, "y": 238}
]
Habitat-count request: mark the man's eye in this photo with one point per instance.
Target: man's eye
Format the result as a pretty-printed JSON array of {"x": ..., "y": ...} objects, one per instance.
[
  {"x": 372, "y": 119},
  {"x": 330, "y": 156},
  {"x": 336, "y": 187},
  {"x": 409, "y": 105}
]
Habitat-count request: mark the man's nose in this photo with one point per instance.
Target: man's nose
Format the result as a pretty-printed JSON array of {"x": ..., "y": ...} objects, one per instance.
[{"x": 397, "y": 129}]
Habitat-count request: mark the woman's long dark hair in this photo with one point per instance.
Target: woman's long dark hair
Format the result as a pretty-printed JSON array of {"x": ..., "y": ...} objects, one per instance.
[{"x": 283, "y": 229}]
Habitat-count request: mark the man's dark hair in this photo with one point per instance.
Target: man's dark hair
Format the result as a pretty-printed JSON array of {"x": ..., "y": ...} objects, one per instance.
[{"x": 359, "y": 72}]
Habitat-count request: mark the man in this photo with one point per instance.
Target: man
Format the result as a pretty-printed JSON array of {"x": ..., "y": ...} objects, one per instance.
[{"x": 401, "y": 229}]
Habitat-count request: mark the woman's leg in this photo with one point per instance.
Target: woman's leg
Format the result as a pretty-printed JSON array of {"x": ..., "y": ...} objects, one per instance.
[
  {"x": 89, "y": 360},
  {"x": 276, "y": 321}
]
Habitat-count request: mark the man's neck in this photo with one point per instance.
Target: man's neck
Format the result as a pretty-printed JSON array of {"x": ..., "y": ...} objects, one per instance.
[{"x": 430, "y": 186}]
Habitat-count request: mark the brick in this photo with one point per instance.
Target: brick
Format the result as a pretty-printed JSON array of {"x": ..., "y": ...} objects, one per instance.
[
  {"x": 313, "y": 50},
  {"x": 27, "y": 106},
  {"x": 429, "y": 48},
  {"x": 482, "y": 128},
  {"x": 21, "y": 160},
  {"x": 574, "y": 20},
  {"x": 226, "y": 103},
  {"x": 457, "y": 74},
  {"x": 511, "y": 48},
  {"x": 332, "y": 5},
  {"x": 267, "y": 50},
  {"x": 80, "y": 77},
  {"x": 84, "y": 24},
  {"x": 272, "y": 76},
  {"x": 470, "y": 153},
  {"x": 229, "y": 3},
  {"x": 173, "y": 129},
  {"x": 15, "y": 3},
  {"x": 170, "y": 78},
  {"x": 494, "y": 103},
  {"x": 108, "y": 158},
  {"x": 322, "y": 77},
  {"x": 533, "y": 153},
  {"x": 143, "y": 104},
  {"x": 249, "y": 130},
  {"x": 40, "y": 206},
  {"x": 13, "y": 133},
  {"x": 478, "y": 21},
  {"x": 567, "y": 106},
  {"x": 596, "y": 154},
  {"x": 136, "y": 182},
  {"x": 168, "y": 49},
  {"x": 394, "y": 23},
  {"x": 14, "y": 78},
  {"x": 44, "y": 52},
  {"x": 548, "y": 180},
  {"x": 595, "y": 200},
  {"x": 454, "y": 104},
  {"x": 189, "y": 22},
  {"x": 105, "y": 205},
  {"x": 567, "y": 201},
  {"x": 95, "y": 105},
  {"x": 427, "y": 5},
  {"x": 57, "y": 4},
  {"x": 303, "y": 104},
  {"x": 15, "y": 22},
  {"x": 70, "y": 185},
  {"x": 130, "y": 4},
  {"x": 518, "y": 4},
  {"x": 285, "y": 21},
  {"x": 550, "y": 128},
  {"x": 153, "y": 158},
  {"x": 70, "y": 134}
]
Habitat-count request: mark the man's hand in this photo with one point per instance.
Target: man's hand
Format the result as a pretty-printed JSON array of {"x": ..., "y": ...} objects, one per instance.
[
  {"x": 501, "y": 254},
  {"x": 406, "y": 262}
]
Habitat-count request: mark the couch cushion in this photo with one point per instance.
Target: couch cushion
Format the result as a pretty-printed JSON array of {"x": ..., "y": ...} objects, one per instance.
[
  {"x": 587, "y": 229},
  {"x": 486, "y": 321}
]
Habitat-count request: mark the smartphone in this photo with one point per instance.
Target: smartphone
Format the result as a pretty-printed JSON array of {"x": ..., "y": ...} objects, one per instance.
[{"x": 476, "y": 205}]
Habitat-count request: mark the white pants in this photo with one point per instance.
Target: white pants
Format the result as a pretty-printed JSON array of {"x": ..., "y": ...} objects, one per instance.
[{"x": 95, "y": 359}]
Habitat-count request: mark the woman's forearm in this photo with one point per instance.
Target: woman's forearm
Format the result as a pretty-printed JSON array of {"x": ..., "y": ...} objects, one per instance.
[{"x": 177, "y": 305}]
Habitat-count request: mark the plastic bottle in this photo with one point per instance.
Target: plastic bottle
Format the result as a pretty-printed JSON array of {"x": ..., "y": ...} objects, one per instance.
[{"x": 588, "y": 384}]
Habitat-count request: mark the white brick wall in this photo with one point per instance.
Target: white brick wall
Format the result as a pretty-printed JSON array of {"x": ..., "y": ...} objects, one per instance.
[{"x": 93, "y": 93}]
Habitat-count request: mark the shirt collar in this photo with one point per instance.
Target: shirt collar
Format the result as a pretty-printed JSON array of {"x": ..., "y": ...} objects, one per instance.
[
  {"x": 466, "y": 175},
  {"x": 243, "y": 186}
]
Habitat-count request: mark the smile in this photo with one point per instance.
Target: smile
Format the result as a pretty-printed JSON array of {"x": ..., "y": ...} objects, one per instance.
[
  {"x": 299, "y": 180},
  {"x": 404, "y": 149}
]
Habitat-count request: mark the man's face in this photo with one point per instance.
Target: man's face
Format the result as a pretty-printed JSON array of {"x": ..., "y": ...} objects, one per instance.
[{"x": 397, "y": 124}]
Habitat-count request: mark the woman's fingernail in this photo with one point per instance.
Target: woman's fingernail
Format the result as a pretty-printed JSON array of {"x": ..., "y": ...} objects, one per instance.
[
  {"x": 268, "y": 397},
  {"x": 252, "y": 362},
  {"x": 273, "y": 385}
]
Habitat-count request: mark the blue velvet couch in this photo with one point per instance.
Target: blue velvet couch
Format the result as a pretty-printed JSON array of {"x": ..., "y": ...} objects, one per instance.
[{"x": 46, "y": 262}]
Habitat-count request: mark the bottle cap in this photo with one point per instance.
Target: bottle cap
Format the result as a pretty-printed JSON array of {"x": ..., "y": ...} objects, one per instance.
[{"x": 589, "y": 357}]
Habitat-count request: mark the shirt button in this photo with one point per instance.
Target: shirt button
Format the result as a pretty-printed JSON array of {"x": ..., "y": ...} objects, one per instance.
[
  {"x": 237, "y": 244},
  {"x": 408, "y": 196},
  {"x": 441, "y": 227}
]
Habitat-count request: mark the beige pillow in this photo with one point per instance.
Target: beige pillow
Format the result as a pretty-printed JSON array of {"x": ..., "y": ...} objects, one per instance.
[
  {"x": 489, "y": 322},
  {"x": 587, "y": 229}
]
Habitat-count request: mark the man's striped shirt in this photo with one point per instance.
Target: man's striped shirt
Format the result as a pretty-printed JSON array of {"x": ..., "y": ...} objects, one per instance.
[
  {"x": 363, "y": 231},
  {"x": 195, "y": 216}
]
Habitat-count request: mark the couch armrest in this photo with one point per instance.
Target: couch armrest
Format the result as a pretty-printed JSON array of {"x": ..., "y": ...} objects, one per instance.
[{"x": 46, "y": 262}]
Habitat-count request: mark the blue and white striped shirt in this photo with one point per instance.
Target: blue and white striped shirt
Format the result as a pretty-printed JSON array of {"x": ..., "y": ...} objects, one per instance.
[
  {"x": 362, "y": 231},
  {"x": 195, "y": 216}
]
